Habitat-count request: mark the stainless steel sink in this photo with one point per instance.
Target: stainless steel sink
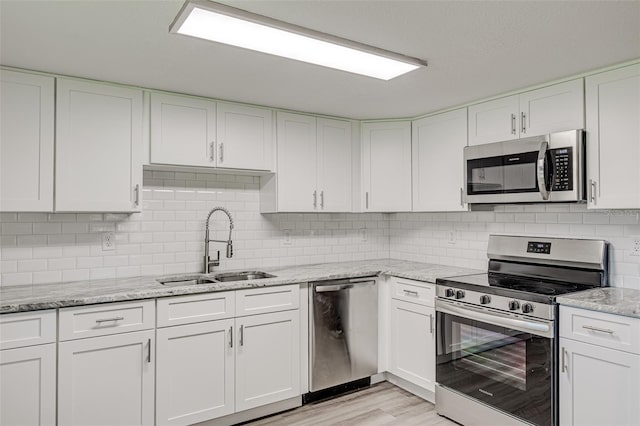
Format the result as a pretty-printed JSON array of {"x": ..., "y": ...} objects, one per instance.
[
  {"x": 242, "y": 276},
  {"x": 189, "y": 280}
]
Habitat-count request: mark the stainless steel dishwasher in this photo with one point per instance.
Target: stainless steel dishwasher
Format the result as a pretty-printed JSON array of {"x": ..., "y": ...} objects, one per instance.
[{"x": 343, "y": 328}]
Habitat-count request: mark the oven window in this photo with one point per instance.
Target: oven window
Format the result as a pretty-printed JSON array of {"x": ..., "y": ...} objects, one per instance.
[
  {"x": 507, "y": 369},
  {"x": 504, "y": 174}
]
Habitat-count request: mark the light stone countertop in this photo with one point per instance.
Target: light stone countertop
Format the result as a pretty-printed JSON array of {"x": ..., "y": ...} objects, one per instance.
[
  {"x": 51, "y": 296},
  {"x": 612, "y": 300}
]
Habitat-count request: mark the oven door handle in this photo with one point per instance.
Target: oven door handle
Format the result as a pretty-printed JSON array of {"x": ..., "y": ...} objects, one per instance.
[
  {"x": 542, "y": 181},
  {"x": 544, "y": 329}
]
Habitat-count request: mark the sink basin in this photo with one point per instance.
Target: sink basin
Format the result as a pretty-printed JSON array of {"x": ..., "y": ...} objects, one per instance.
[
  {"x": 186, "y": 281},
  {"x": 242, "y": 276}
]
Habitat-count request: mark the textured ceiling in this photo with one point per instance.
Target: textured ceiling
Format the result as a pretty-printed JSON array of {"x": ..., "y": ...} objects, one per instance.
[{"x": 475, "y": 49}]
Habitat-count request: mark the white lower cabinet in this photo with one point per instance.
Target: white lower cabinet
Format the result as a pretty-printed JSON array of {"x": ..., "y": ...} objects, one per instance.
[
  {"x": 599, "y": 383},
  {"x": 195, "y": 372},
  {"x": 411, "y": 350},
  {"x": 412, "y": 343},
  {"x": 267, "y": 359},
  {"x": 107, "y": 380},
  {"x": 28, "y": 385}
]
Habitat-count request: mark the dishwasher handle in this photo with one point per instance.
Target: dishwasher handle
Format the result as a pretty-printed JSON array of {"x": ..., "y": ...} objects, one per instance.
[{"x": 337, "y": 287}]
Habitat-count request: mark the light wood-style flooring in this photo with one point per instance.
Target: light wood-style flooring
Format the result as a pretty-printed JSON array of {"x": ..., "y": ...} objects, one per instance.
[{"x": 381, "y": 404}]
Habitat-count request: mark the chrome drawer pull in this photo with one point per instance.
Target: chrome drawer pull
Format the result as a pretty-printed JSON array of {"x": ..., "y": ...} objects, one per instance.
[
  {"x": 564, "y": 363},
  {"x": 109, "y": 319},
  {"x": 601, "y": 330},
  {"x": 411, "y": 293}
]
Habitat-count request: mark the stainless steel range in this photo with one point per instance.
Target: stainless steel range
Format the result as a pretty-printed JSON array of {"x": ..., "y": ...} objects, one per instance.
[{"x": 497, "y": 332}]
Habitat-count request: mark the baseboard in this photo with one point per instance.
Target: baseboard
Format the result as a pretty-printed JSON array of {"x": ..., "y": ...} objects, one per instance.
[
  {"x": 255, "y": 413},
  {"x": 419, "y": 391}
]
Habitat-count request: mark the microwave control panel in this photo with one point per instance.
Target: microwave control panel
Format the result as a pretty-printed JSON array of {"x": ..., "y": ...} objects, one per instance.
[{"x": 562, "y": 159}]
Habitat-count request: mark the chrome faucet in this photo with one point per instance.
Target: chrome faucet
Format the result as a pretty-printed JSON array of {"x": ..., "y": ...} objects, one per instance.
[{"x": 208, "y": 263}]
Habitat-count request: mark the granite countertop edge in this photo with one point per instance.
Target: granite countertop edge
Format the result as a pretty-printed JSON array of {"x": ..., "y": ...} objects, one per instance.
[
  {"x": 14, "y": 299},
  {"x": 612, "y": 300}
]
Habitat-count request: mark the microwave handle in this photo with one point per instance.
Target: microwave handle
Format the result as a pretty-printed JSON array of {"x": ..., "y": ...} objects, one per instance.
[{"x": 542, "y": 184}]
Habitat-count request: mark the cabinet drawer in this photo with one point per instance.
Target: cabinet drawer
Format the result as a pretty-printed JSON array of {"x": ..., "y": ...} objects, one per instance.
[
  {"x": 27, "y": 329},
  {"x": 613, "y": 331},
  {"x": 198, "y": 308},
  {"x": 108, "y": 318},
  {"x": 267, "y": 299},
  {"x": 413, "y": 291}
]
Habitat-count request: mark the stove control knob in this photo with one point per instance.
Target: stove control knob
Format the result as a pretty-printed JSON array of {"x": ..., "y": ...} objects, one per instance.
[
  {"x": 514, "y": 305},
  {"x": 485, "y": 299},
  {"x": 459, "y": 294},
  {"x": 449, "y": 292},
  {"x": 527, "y": 308}
]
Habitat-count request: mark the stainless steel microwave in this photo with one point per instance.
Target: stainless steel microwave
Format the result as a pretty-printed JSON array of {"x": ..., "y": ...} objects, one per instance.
[{"x": 547, "y": 168}]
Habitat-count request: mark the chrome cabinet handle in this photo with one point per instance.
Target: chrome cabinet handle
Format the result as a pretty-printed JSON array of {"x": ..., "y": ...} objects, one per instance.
[
  {"x": 231, "y": 336},
  {"x": 136, "y": 191},
  {"x": 99, "y": 321},
  {"x": 461, "y": 197},
  {"x": 592, "y": 191},
  {"x": 212, "y": 152},
  {"x": 600, "y": 330},
  {"x": 431, "y": 323},
  {"x": 523, "y": 122},
  {"x": 315, "y": 199},
  {"x": 564, "y": 360},
  {"x": 221, "y": 152},
  {"x": 513, "y": 124},
  {"x": 322, "y": 199},
  {"x": 149, "y": 350},
  {"x": 411, "y": 293},
  {"x": 242, "y": 335},
  {"x": 366, "y": 200}
]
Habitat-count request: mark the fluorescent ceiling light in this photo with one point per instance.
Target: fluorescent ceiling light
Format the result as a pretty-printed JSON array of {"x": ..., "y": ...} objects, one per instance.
[{"x": 224, "y": 24}]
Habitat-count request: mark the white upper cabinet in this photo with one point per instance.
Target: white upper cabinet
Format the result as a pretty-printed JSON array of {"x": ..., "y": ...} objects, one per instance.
[
  {"x": 26, "y": 142},
  {"x": 334, "y": 165},
  {"x": 188, "y": 131},
  {"x": 244, "y": 137},
  {"x": 386, "y": 166},
  {"x": 547, "y": 110},
  {"x": 98, "y": 147},
  {"x": 183, "y": 130},
  {"x": 314, "y": 164},
  {"x": 438, "y": 177},
  {"x": 613, "y": 138},
  {"x": 297, "y": 163}
]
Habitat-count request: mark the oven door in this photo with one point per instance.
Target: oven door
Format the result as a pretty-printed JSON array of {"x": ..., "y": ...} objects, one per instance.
[{"x": 502, "y": 361}]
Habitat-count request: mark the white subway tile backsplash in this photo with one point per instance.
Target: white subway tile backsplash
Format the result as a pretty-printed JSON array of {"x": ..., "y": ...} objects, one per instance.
[{"x": 14, "y": 228}]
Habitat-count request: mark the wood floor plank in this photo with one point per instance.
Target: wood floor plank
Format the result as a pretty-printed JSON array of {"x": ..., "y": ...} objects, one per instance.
[{"x": 382, "y": 404}]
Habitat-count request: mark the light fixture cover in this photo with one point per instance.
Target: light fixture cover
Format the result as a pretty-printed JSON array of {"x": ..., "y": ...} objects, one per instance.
[{"x": 224, "y": 24}]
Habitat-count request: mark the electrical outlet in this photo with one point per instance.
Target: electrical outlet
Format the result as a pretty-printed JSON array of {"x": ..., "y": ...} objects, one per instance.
[
  {"x": 452, "y": 237},
  {"x": 108, "y": 241},
  {"x": 635, "y": 250},
  {"x": 287, "y": 237},
  {"x": 363, "y": 235}
]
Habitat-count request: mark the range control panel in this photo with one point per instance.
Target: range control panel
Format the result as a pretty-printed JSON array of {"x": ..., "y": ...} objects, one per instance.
[
  {"x": 562, "y": 169},
  {"x": 538, "y": 247}
]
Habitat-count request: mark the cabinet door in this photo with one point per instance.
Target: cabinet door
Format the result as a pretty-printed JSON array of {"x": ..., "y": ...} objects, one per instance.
[
  {"x": 438, "y": 167},
  {"x": 28, "y": 385},
  {"x": 386, "y": 166},
  {"x": 552, "y": 109},
  {"x": 183, "y": 130},
  {"x": 26, "y": 142},
  {"x": 494, "y": 121},
  {"x": 297, "y": 170},
  {"x": 613, "y": 138},
  {"x": 98, "y": 147},
  {"x": 334, "y": 165},
  {"x": 195, "y": 372},
  {"x": 245, "y": 137},
  {"x": 267, "y": 359},
  {"x": 598, "y": 386},
  {"x": 412, "y": 346},
  {"x": 107, "y": 380}
]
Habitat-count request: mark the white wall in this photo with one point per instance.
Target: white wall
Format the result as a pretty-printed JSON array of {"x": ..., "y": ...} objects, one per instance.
[
  {"x": 424, "y": 237},
  {"x": 168, "y": 237}
]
